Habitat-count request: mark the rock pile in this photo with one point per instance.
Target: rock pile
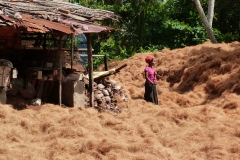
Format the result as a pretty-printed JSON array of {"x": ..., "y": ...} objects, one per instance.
[{"x": 105, "y": 96}]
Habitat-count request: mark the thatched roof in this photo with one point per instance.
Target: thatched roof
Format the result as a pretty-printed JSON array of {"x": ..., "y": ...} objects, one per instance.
[{"x": 44, "y": 16}]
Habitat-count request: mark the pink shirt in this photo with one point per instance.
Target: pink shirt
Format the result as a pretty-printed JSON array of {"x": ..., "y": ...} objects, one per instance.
[{"x": 151, "y": 74}]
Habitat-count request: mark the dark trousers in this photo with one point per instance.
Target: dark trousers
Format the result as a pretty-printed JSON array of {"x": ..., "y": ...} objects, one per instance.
[{"x": 151, "y": 93}]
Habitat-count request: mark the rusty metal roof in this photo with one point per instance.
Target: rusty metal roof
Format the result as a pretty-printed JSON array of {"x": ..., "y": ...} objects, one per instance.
[
  {"x": 47, "y": 16},
  {"x": 83, "y": 27}
]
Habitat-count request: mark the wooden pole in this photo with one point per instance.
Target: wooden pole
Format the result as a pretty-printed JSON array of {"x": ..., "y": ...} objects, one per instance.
[
  {"x": 72, "y": 49},
  {"x": 60, "y": 71},
  {"x": 44, "y": 41},
  {"x": 90, "y": 69},
  {"x": 105, "y": 62}
]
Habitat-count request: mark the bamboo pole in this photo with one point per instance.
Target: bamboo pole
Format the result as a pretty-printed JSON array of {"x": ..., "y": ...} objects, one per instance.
[{"x": 90, "y": 69}]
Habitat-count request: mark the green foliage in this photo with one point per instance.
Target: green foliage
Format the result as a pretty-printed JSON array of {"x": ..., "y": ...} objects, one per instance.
[
  {"x": 108, "y": 45},
  {"x": 228, "y": 37},
  {"x": 184, "y": 34},
  {"x": 150, "y": 25},
  {"x": 151, "y": 48},
  {"x": 227, "y": 19}
]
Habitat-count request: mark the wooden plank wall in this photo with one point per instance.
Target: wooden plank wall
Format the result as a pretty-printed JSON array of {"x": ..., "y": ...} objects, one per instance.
[{"x": 9, "y": 38}]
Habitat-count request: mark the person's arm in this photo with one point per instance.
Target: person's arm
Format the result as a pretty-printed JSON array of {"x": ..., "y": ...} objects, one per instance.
[
  {"x": 146, "y": 76},
  {"x": 155, "y": 75}
]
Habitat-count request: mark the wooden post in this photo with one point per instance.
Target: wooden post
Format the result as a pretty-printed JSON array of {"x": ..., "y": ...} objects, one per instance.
[
  {"x": 60, "y": 72},
  {"x": 44, "y": 41},
  {"x": 72, "y": 49},
  {"x": 105, "y": 62},
  {"x": 90, "y": 69}
]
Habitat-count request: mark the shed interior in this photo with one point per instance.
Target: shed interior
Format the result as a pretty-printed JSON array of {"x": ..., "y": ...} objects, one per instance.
[{"x": 38, "y": 58}]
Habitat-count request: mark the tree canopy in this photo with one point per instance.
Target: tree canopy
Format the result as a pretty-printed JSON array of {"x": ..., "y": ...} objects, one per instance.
[{"x": 148, "y": 25}]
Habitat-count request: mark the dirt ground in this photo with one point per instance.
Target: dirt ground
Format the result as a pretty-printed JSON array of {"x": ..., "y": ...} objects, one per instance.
[{"x": 198, "y": 117}]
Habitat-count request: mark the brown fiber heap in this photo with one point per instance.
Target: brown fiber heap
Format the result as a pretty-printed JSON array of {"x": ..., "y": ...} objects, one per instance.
[{"x": 198, "y": 117}]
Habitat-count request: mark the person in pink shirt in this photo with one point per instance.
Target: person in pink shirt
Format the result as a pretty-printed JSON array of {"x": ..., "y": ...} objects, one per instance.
[{"x": 150, "y": 94}]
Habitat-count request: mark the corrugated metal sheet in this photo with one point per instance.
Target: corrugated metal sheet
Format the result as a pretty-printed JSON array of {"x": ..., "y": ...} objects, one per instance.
[
  {"x": 65, "y": 25},
  {"x": 83, "y": 27},
  {"x": 49, "y": 25},
  {"x": 6, "y": 17}
]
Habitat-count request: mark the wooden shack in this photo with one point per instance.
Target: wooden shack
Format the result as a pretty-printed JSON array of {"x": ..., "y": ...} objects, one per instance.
[{"x": 35, "y": 36}]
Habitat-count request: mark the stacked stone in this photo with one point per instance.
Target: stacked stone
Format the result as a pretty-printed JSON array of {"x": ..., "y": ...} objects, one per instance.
[{"x": 105, "y": 94}]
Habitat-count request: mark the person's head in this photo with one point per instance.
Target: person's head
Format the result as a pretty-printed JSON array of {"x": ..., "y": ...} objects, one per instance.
[{"x": 149, "y": 60}]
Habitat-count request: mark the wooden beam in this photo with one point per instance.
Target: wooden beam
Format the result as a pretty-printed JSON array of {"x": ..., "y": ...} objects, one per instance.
[
  {"x": 60, "y": 72},
  {"x": 90, "y": 69},
  {"x": 94, "y": 55},
  {"x": 72, "y": 49},
  {"x": 105, "y": 62},
  {"x": 44, "y": 41},
  {"x": 56, "y": 48}
]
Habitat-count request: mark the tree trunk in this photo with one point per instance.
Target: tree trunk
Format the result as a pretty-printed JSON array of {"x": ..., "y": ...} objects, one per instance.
[
  {"x": 205, "y": 21},
  {"x": 210, "y": 12}
]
